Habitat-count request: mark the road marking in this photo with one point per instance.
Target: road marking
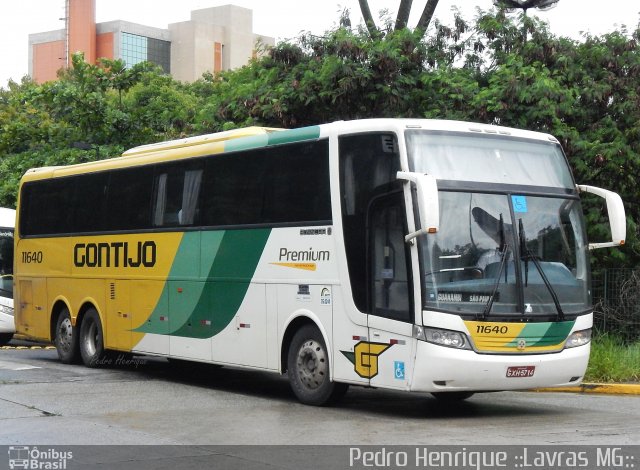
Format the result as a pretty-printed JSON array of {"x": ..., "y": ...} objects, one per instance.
[
  {"x": 6, "y": 365},
  {"x": 27, "y": 347}
]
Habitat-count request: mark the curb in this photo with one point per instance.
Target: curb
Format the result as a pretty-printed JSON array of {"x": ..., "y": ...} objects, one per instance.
[{"x": 608, "y": 389}]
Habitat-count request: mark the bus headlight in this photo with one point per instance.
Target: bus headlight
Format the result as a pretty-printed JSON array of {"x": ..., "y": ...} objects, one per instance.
[
  {"x": 578, "y": 338},
  {"x": 448, "y": 338},
  {"x": 6, "y": 310}
]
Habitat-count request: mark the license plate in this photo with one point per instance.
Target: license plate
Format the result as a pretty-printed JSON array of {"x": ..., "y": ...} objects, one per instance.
[{"x": 521, "y": 371}]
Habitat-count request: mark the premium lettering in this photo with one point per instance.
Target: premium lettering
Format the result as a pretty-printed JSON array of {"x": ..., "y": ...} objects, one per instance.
[
  {"x": 308, "y": 255},
  {"x": 115, "y": 254}
]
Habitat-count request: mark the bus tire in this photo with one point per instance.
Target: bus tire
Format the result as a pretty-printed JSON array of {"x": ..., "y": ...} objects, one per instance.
[
  {"x": 66, "y": 339},
  {"x": 451, "y": 397},
  {"x": 5, "y": 338},
  {"x": 308, "y": 369},
  {"x": 91, "y": 340}
]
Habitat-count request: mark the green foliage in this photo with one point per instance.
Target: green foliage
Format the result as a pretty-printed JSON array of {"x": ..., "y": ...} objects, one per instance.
[
  {"x": 613, "y": 360},
  {"x": 500, "y": 68}
]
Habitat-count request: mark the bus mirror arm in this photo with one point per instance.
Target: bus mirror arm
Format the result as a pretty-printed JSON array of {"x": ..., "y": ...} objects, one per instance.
[
  {"x": 616, "y": 213},
  {"x": 428, "y": 205}
]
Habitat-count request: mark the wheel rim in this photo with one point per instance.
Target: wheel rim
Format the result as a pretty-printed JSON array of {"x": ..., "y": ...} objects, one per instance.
[
  {"x": 90, "y": 339},
  {"x": 312, "y": 364},
  {"x": 65, "y": 335}
]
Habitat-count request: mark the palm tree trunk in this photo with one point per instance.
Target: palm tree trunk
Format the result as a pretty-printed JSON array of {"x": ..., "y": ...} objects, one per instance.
[
  {"x": 368, "y": 18},
  {"x": 427, "y": 14},
  {"x": 403, "y": 14}
]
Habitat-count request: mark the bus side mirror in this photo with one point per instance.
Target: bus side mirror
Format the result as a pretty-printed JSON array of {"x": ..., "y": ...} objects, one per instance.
[
  {"x": 428, "y": 204},
  {"x": 615, "y": 210}
]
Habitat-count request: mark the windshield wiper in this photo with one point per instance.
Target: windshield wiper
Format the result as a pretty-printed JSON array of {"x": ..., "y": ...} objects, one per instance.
[
  {"x": 526, "y": 255},
  {"x": 504, "y": 251}
]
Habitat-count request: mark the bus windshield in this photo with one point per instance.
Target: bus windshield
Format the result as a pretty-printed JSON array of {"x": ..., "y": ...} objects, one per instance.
[
  {"x": 479, "y": 249},
  {"x": 488, "y": 159},
  {"x": 499, "y": 253}
]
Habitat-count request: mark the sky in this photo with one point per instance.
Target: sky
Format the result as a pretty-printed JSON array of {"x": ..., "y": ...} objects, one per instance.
[{"x": 282, "y": 19}]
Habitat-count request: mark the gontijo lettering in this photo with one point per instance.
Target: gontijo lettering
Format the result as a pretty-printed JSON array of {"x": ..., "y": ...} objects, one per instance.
[{"x": 115, "y": 254}]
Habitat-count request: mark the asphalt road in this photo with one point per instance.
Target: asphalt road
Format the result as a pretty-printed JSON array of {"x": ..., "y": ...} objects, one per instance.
[{"x": 152, "y": 401}]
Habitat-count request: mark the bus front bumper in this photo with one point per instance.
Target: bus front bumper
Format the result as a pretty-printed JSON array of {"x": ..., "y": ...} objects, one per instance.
[{"x": 442, "y": 369}]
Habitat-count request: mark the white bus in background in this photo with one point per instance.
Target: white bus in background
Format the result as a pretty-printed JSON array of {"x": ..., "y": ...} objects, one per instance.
[{"x": 7, "y": 324}]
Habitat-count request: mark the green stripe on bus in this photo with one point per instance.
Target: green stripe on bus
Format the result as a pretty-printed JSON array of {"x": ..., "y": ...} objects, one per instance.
[
  {"x": 230, "y": 259},
  {"x": 543, "y": 334},
  {"x": 294, "y": 135},
  {"x": 182, "y": 269},
  {"x": 273, "y": 138},
  {"x": 232, "y": 270},
  {"x": 246, "y": 143}
]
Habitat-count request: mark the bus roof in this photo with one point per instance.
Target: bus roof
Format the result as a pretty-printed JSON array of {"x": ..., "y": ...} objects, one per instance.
[
  {"x": 199, "y": 140},
  {"x": 256, "y": 137}
]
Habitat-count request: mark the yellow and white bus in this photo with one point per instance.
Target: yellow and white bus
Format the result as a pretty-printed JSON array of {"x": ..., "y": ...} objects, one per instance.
[{"x": 419, "y": 255}]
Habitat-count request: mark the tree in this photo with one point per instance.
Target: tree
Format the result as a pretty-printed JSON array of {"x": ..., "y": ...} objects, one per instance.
[
  {"x": 524, "y": 5},
  {"x": 402, "y": 18}
]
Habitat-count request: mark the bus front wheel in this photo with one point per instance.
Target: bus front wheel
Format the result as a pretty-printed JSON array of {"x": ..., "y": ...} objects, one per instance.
[
  {"x": 308, "y": 369},
  {"x": 66, "y": 339},
  {"x": 91, "y": 340}
]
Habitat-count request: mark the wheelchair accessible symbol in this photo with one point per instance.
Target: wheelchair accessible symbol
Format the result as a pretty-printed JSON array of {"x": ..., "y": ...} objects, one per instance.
[{"x": 398, "y": 368}]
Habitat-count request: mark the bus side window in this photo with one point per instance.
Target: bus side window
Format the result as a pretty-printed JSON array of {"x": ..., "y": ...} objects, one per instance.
[
  {"x": 176, "y": 196},
  {"x": 128, "y": 199}
]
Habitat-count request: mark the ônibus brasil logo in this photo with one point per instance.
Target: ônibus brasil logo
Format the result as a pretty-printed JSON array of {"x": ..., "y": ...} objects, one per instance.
[{"x": 33, "y": 458}]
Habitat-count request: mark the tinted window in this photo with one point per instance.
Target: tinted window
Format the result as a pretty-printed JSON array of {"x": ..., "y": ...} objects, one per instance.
[
  {"x": 234, "y": 189},
  {"x": 44, "y": 207},
  {"x": 129, "y": 199},
  {"x": 88, "y": 202},
  {"x": 298, "y": 188},
  {"x": 105, "y": 201},
  {"x": 176, "y": 194},
  {"x": 285, "y": 184}
]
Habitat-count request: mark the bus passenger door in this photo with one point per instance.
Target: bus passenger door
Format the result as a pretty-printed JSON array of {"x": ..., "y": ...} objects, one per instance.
[{"x": 390, "y": 316}]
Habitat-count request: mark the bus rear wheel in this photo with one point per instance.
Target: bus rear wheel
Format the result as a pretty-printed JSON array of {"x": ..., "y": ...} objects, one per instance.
[
  {"x": 308, "y": 369},
  {"x": 91, "y": 340},
  {"x": 66, "y": 339}
]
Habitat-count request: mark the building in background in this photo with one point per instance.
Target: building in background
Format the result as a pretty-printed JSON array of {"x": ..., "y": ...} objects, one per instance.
[{"x": 214, "y": 39}]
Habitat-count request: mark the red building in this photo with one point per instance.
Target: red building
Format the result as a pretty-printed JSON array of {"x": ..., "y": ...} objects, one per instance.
[{"x": 214, "y": 39}]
